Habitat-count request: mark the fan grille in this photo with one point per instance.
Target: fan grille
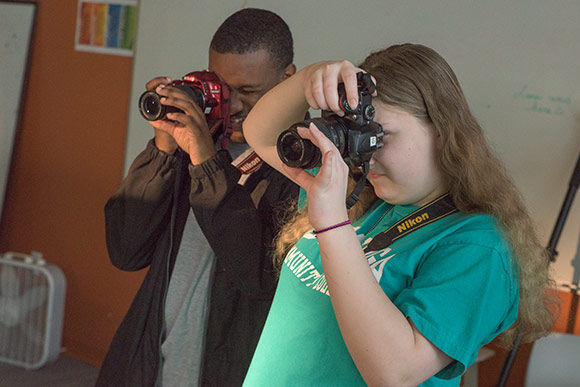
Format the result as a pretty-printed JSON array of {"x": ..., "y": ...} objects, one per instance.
[{"x": 23, "y": 313}]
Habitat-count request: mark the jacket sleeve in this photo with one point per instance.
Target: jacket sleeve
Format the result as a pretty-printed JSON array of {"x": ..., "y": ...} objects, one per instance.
[
  {"x": 139, "y": 211},
  {"x": 238, "y": 223}
]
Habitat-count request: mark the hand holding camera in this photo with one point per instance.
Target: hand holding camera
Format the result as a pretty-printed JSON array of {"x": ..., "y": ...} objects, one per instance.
[
  {"x": 354, "y": 133},
  {"x": 350, "y": 129},
  {"x": 182, "y": 109}
]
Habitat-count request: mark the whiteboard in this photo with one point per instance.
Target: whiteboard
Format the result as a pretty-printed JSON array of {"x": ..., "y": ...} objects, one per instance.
[
  {"x": 518, "y": 62},
  {"x": 16, "y": 23}
]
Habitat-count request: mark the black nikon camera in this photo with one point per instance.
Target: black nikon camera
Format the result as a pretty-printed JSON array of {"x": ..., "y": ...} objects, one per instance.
[
  {"x": 355, "y": 135},
  {"x": 204, "y": 87}
]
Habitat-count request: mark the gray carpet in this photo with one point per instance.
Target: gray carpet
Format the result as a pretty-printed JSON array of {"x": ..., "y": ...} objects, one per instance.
[{"x": 64, "y": 372}]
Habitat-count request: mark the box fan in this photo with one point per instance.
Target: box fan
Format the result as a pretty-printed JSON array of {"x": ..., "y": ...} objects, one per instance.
[{"x": 31, "y": 310}]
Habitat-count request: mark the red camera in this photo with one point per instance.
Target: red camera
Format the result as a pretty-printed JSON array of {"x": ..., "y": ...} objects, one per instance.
[{"x": 204, "y": 87}]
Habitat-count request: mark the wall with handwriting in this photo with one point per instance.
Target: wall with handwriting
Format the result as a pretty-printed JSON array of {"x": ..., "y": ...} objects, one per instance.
[{"x": 518, "y": 62}]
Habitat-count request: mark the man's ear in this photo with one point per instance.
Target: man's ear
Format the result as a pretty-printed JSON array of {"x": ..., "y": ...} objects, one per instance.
[{"x": 289, "y": 71}]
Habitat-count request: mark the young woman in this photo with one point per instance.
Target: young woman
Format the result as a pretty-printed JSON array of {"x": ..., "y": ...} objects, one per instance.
[{"x": 418, "y": 308}]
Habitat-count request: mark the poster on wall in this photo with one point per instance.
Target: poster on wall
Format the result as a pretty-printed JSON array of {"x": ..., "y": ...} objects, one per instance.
[{"x": 106, "y": 27}]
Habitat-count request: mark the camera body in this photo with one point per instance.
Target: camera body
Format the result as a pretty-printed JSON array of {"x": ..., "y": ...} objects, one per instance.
[
  {"x": 204, "y": 87},
  {"x": 355, "y": 135}
]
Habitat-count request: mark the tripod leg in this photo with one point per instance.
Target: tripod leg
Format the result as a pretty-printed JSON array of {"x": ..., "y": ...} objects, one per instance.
[{"x": 505, "y": 372}]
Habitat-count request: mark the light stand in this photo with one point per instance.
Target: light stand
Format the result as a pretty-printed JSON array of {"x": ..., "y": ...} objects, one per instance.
[{"x": 572, "y": 188}]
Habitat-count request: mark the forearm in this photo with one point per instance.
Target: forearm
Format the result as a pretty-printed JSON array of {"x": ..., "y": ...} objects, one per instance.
[
  {"x": 138, "y": 211},
  {"x": 392, "y": 352}
]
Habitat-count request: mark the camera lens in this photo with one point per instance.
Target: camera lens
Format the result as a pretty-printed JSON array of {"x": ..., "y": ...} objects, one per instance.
[
  {"x": 296, "y": 151},
  {"x": 150, "y": 106},
  {"x": 152, "y": 109},
  {"x": 293, "y": 147}
]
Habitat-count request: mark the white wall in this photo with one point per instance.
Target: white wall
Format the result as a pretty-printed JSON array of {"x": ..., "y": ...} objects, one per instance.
[
  {"x": 16, "y": 22},
  {"x": 518, "y": 62}
]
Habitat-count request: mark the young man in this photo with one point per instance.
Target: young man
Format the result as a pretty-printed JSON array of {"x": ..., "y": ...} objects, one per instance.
[{"x": 202, "y": 228}]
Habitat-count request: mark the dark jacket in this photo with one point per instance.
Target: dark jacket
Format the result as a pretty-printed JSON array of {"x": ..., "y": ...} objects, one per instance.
[{"x": 239, "y": 223}]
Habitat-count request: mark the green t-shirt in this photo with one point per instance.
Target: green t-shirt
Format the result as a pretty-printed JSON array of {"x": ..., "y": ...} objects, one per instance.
[{"x": 453, "y": 278}]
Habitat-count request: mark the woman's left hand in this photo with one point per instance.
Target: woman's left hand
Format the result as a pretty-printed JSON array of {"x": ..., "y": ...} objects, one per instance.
[{"x": 327, "y": 190}]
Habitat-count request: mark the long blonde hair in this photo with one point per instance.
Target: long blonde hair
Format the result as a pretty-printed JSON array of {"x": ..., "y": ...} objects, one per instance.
[{"x": 418, "y": 80}]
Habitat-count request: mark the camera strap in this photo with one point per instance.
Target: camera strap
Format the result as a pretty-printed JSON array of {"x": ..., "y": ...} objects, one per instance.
[
  {"x": 361, "y": 180},
  {"x": 247, "y": 163},
  {"x": 429, "y": 213}
]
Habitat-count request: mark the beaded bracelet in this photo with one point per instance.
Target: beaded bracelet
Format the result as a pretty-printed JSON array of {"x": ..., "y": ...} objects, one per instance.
[{"x": 315, "y": 232}]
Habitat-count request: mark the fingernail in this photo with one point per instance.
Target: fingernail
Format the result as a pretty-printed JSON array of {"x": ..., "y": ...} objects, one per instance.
[
  {"x": 352, "y": 103},
  {"x": 159, "y": 88}
]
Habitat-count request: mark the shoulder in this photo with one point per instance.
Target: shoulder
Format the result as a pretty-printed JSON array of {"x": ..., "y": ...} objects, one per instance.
[
  {"x": 475, "y": 229},
  {"x": 476, "y": 241}
]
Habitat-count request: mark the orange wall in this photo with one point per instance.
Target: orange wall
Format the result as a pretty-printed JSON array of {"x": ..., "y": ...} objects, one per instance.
[{"x": 68, "y": 160}]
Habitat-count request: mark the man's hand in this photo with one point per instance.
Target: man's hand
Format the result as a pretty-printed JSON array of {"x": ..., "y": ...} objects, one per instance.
[{"x": 188, "y": 130}]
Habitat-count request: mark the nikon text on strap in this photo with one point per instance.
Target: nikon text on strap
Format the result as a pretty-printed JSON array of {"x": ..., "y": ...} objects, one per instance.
[{"x": 429, "y": 213}]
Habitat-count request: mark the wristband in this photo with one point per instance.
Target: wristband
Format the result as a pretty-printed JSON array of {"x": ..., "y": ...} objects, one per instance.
[{"x": 315, "y": 232}]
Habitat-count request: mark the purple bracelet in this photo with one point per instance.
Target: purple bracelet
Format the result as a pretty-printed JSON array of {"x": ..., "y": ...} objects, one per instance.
[{"x": 315, "y": 232}]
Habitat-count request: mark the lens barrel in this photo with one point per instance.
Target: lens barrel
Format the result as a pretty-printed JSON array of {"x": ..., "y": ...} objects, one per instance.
[
  {"x": 299, "y": 152},
  {"x": 152, "y": 109},
  {"x": 150, "y": 106},
  {"x": 296, "y": 151}
]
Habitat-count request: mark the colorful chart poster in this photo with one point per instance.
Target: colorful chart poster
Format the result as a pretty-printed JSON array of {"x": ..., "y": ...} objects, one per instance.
[{"x": 106, "y": 27}]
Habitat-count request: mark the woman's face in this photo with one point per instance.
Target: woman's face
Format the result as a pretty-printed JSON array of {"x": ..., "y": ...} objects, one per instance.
[{"x": 404, "y": 170}]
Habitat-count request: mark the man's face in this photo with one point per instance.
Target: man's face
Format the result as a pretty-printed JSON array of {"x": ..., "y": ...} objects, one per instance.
[{"x": 249, "y": 77}]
